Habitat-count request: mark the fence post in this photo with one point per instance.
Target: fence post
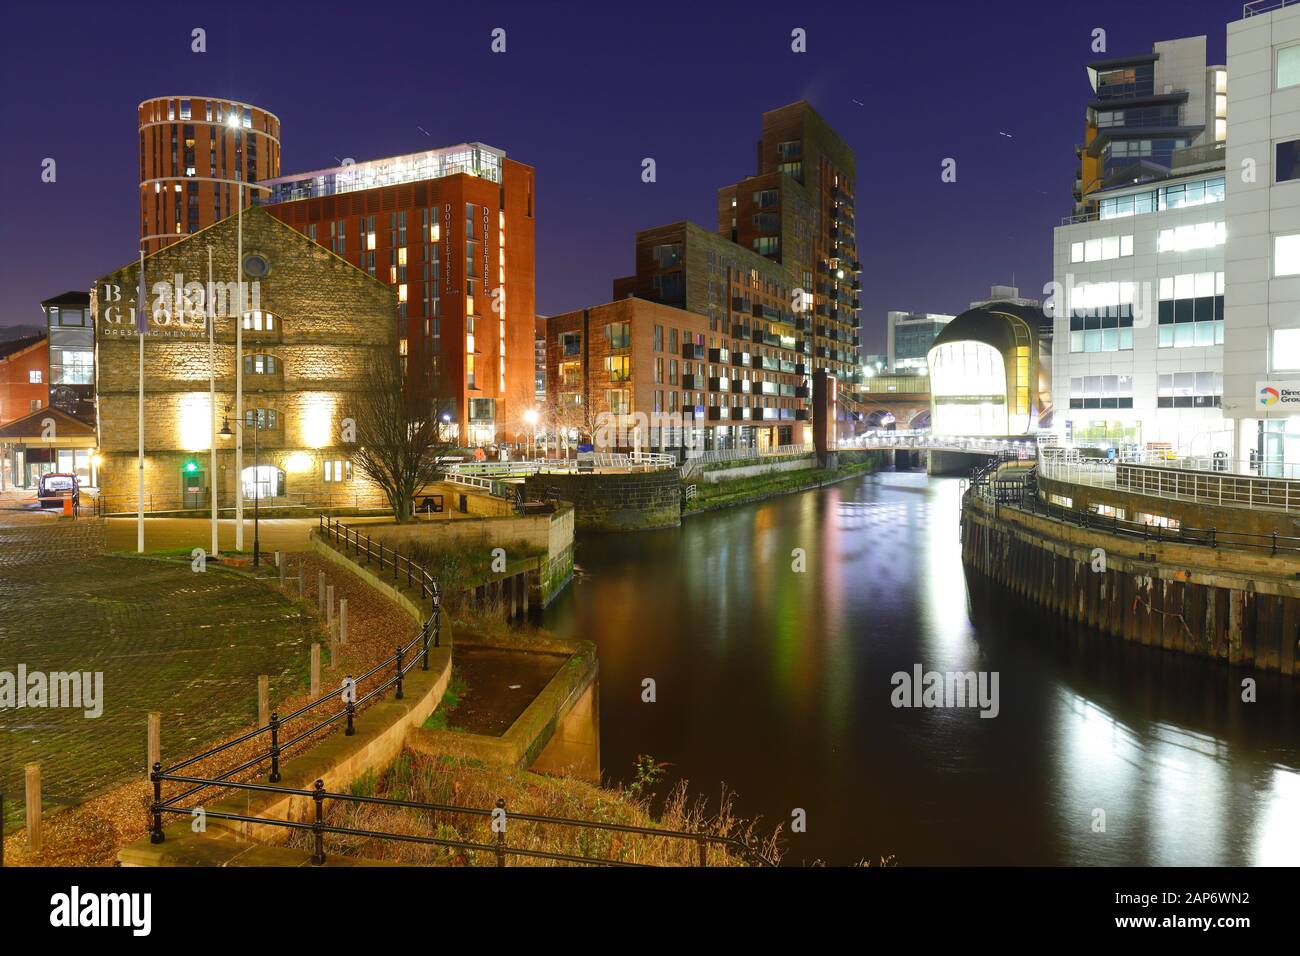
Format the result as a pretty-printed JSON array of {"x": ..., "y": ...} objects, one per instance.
[
  {"x": 704, "y": 852},
  {"x": 367, "y": 550},
  {"x": 263, "y": 700},
  {"x": 329, "y": 605},
  {"x": 320, "y": 590},
  {"x": 424, "y": 639},
  {"x": 352, "y": 709},
  {"x": 343, "y": 620},
  {"x": 315, "y": 671},
  {"x": 33, "y": 781},
  {"x": 154, "y": 740},
  {"x": 275, "y": 748},
  {"x": 501, "y": 833},
  {"x": 280, "y": 563},
  {"x": 301, "y": 592},
  {"x": 399, "y": 674},
  {"x": 156, "y": 832},
  {"x": 318, "y": 795}
]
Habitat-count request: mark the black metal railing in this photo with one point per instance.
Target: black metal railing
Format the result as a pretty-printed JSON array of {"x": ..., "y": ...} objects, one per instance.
[
  {"x": 498, "y": 845},
  {"x": 1028, "y": 501},
  {"x": 338, "y": 705},
  {"x": 108, "y": 505},
  {"x": 354, "y": 544}
]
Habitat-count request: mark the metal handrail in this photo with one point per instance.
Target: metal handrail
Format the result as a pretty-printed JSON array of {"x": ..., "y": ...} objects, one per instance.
[
  {"x": 499, "y": 847},
  {"x": 400, "y": 662},
  {"x": 1149, "y": 473},
  {"x": 1273, "y": 542}
]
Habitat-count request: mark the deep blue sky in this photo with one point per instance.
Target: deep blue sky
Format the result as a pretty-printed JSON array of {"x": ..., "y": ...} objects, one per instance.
[{"x": 584, "y": 91}]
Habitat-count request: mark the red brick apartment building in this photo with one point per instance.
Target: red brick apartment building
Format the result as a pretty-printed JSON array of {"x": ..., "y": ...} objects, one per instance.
[
  {"x": 789, "y": 228},
  {"x": 195, "y": 152},
  {"x": 24, "y": 376},
  {"x": 452, "y": 231}
]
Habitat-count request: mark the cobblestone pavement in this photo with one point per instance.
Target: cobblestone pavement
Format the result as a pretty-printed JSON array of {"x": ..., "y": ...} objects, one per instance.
[{"x": 166, "y": 639}]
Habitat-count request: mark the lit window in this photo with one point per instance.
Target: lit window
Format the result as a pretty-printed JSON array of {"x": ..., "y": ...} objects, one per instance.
[
  {"x": 1286, "y": 254},
  {"x": 1288, "y": 67},
  {"x": 338, "y": 470},
  {"x": 1286, "y": 349},
  {"x": 34, "y": 376}
]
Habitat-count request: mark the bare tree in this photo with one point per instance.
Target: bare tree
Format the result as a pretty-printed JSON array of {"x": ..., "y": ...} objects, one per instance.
[{"x": 398, "y": 440}]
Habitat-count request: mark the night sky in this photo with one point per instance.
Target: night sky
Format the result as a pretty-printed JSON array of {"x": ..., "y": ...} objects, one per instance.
[{"x": 583, "y": 93}]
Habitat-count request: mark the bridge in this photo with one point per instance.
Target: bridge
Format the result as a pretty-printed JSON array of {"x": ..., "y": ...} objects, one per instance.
[{"x": 923, "y": 440}]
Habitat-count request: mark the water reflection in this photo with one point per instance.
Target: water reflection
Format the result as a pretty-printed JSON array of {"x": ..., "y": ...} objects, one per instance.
[{"x": 778, "y": 683}]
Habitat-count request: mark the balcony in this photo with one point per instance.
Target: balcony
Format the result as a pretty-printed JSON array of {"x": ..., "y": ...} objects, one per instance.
[
  {"x": 741, "y": 386},
  {"x": 693, "y": 352},
  {"x": 690, "y": 383},
  {"x": 741, "y": 413},
  {"x": 802, "y": 414},
  {"x": 800, "y": 368},
  {"x": 739, "y": 304},
  {"x": 719, "y": 356},
  {"x": 739, "y": 331},
  {"x": 740, "y": 359},
  {"x": 719, "y": 383},
  {"x": 719, "y": 413},
  {"x": 802, "y": 391}
]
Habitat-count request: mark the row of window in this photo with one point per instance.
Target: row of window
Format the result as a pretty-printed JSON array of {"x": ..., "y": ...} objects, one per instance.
[
  {"x": 1174, "y": 390},
  {"x": 1177, "y": 196}
]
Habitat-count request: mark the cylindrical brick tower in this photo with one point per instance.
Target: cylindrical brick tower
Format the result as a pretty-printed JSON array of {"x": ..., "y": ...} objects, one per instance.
[{"x": 194, "y": 153}]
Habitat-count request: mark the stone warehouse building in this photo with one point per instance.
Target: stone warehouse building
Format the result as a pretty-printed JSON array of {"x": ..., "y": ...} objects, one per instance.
[{"x": 311, "y": 324}]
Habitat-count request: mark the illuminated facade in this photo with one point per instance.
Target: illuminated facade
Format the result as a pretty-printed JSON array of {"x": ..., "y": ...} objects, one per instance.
[
  {"x": 195, "y": 153},
  {"x": 984, "y": 372},
  {"x": 451, "y": 231},
  {"x": 311, "y": 325},
  {"x": 1144, "y": 110}
]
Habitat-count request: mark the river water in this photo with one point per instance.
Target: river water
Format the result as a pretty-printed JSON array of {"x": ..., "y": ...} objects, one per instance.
[{"x": 779, "y": 684}]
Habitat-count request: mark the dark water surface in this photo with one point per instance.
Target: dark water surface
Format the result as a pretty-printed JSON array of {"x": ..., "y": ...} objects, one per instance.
[{"x": 778, "y": 683}]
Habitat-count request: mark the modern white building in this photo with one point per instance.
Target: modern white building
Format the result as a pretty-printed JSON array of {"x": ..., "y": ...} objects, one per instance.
[
  {"x": 1137, "y": 303},
  {"x": 1262, "y": 290}
]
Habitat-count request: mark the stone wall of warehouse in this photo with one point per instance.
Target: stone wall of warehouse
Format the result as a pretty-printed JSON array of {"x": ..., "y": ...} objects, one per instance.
[
  {"x": 331, "y": 319},
  {"x": 615, "y": 502}
]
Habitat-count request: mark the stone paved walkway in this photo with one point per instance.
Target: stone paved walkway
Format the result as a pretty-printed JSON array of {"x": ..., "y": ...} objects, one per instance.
[{"x": 165, "y": 638}]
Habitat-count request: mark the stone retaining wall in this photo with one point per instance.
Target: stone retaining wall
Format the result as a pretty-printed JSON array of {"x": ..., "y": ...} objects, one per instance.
[{"x": 634, "y": 501}]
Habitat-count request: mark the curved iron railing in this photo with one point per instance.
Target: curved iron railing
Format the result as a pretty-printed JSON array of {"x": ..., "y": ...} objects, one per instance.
[{"x": 498, "y": 847}]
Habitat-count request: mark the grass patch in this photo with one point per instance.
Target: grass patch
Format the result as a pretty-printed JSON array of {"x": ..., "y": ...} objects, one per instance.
[
  {"x": 753, "y": 487},
  {"x": 458, "y": 565},
  {"x": 468, "y": 783},
  {"x": 439, "y": 719}
]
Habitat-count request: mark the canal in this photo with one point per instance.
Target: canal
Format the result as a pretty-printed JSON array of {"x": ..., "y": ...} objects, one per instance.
[{"x": 777, "y": 683}]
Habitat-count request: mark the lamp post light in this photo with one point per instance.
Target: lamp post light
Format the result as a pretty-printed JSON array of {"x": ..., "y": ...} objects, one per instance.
[{"x": 257, "y": 427}]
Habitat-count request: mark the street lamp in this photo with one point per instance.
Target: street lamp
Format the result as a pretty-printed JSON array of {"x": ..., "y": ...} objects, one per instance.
[
  {"x": 530, "y": 417},
  {"x": 257, "y": 427}
]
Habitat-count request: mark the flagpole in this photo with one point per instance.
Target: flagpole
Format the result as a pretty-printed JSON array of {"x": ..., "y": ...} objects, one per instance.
[
  {"x": 212, "y": 403},
  {"x": 140, "y": 323},
  {"x": 239, "y": 373}
]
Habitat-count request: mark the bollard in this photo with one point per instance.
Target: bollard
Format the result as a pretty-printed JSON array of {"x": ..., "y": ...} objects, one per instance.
[
  {"x": 154, "y": 741},
  {"x": 329, "y": 605},
  {"x": 280, "y": 563},
  {"x": 343, "y": 620},
  {"x": 33, "y": 774},
  {"x": 315, "y": 671},
  {"x": 263, "y": 700},
  {"x": 320, "y": 590}
]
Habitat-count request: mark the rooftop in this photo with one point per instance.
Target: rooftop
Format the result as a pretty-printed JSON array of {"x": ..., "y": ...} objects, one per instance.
[{"x": 471, "y": 159}]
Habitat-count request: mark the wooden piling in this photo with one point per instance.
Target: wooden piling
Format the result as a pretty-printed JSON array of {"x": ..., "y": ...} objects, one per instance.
[
  {"x": 153, "y": 745},
  {"x": 32, "y": 774},
  {"x": 263, "y": 700}
]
